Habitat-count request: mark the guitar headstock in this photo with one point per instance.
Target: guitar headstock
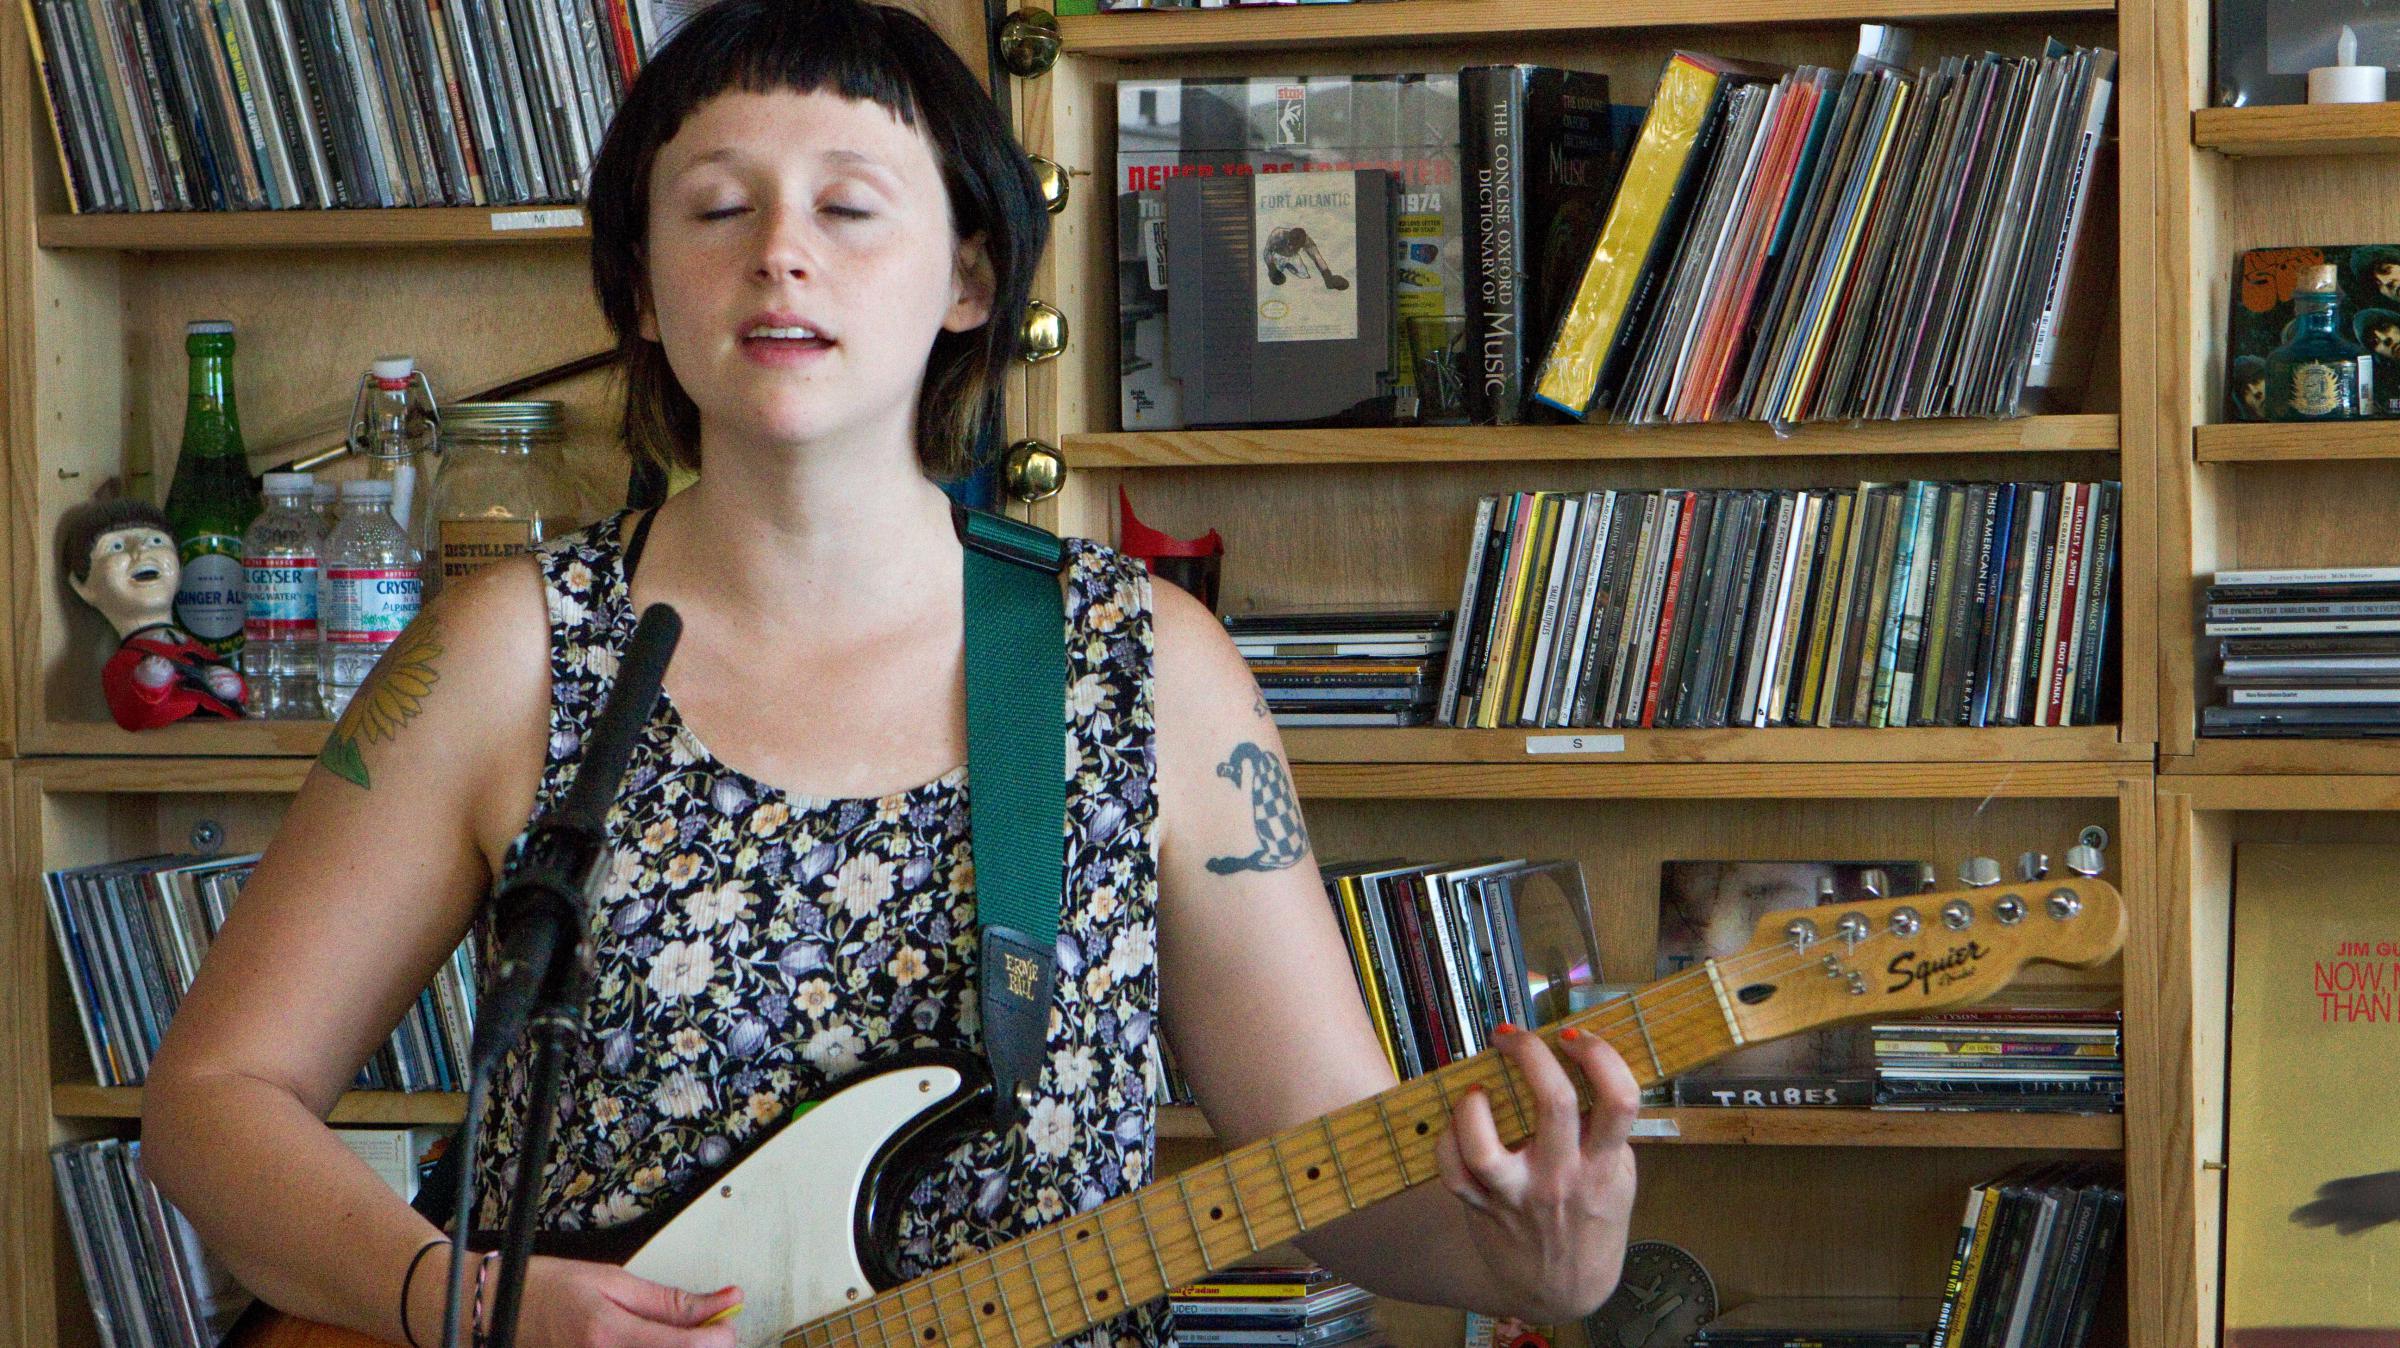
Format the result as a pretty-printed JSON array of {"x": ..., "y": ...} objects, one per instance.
[{"x": 1904, "y": 956}]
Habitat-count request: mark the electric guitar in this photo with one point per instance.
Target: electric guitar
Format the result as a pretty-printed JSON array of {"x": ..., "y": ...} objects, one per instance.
[{"x": 801, "y": 1219}]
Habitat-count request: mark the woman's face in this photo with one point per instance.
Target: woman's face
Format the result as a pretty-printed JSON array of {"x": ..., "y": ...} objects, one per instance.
[{"x": 801, "y": 261}]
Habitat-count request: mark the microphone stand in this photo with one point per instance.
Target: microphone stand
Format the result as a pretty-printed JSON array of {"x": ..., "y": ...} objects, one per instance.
[{"x": 541, "y": 919}]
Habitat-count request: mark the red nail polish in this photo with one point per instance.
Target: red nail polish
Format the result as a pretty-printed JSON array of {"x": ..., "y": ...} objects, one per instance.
[
  {"x": 1570, "y": 1033},
  {"x": 1506, "y": 1028}
]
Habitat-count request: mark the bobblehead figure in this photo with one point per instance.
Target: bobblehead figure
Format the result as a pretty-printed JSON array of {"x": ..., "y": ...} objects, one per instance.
[{"x": 119, "y": 557}]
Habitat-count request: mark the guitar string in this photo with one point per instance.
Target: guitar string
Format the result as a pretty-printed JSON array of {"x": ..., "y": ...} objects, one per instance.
[
  {"x": 1601, "y": 1021},
  {"x": 1272, "y": 1156}
]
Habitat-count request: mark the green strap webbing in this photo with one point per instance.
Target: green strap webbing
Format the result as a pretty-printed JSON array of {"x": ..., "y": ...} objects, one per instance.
[{"x": 1017, "y": 784}]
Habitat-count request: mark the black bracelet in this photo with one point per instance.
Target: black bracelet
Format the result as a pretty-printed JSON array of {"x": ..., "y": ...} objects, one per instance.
[{"x": 406, "y": 1279}]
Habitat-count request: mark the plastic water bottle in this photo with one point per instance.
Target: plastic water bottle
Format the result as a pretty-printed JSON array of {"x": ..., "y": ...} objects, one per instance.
[
  {"x": 329, "y": 507},
  {"x": 373, "y": 584},
  {"x": 279, "y": 633}
]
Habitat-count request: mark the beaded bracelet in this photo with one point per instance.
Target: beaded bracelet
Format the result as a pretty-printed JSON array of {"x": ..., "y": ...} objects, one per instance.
[{"x": 409, "y": 1277}]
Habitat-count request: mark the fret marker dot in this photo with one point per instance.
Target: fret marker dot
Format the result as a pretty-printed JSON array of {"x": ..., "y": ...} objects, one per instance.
[
  {"x": 1312, "y": 1172},
  {"x": 1216, "y": 1214},
  {"x": 1421, "y": 1130},
  {"x": 1101, "y": 1295},
  {"x": 988, "y": 1308},
  {"x": 1083, "y": 1235},
  {"x": 929, "y": 1333}
]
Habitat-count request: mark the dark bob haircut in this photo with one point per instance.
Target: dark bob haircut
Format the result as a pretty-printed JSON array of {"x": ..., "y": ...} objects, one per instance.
[{"x": 859, "y": 50}]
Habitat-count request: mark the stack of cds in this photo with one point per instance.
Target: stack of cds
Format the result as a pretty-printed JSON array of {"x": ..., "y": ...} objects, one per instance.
[
  {"x": 2305, "y": 652},
  {"x": 1346, "y": 667},
  {"x": 1274, "y": 1306},
  {"x": 2042, "y": 1059}
]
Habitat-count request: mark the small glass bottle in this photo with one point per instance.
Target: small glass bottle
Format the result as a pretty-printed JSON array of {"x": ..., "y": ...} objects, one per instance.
[
  {"x": 395, "y": 429},
  {"x": 212, "y": 498},
  {"x": 503, "y": 486},
  {"x": 2315, "y": 375}
]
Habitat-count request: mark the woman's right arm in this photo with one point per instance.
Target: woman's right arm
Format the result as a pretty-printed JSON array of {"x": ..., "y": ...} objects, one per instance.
[
  {"x": 373, "y": 879},
  {"x": 368, "y": 886}
]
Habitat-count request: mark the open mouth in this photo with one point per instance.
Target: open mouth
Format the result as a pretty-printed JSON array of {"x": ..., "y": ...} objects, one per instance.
[
  {"x": 143, "y": 575},
  {"x": 785, "y": 337}
]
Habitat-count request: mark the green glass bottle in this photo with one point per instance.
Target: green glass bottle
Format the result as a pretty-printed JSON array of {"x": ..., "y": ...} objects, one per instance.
[
  {"x": 213, "y": 498},
  {"x": 2315, "y": 375}
]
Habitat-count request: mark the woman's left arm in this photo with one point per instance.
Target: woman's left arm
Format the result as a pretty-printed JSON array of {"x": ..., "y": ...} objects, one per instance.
[{"x": 1267, "y": 1023}]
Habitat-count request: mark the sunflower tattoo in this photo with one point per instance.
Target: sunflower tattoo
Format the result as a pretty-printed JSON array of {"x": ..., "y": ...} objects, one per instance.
[{"x": 392, "y": 697}]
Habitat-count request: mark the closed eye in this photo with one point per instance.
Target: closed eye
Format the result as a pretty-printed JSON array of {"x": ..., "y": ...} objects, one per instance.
[
  {"x": 849, "y": 212},
  {"x": 723, "y": 212}
]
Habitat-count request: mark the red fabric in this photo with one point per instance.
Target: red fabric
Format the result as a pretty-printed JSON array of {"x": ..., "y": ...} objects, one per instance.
[{"x": 139, "y": 708}]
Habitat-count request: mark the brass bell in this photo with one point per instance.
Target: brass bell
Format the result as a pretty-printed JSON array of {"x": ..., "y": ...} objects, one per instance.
[
  {"x": 1034, "y": 471},
  {"x": 1043, "y": 333},
  {"x": 1029, "y": 42},
  {"x": 1053, "y": 180}
]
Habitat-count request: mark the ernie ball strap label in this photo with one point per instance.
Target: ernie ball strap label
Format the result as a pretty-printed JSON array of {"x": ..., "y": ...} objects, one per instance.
[{"x": 468, "y": 546}]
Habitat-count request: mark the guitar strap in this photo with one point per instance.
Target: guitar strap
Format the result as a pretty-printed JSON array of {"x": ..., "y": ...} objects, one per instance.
[{"x": 1017, "y": 776}]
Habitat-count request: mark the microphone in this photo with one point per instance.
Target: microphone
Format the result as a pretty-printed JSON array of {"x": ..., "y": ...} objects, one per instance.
[{"x": 553, "y": 868}]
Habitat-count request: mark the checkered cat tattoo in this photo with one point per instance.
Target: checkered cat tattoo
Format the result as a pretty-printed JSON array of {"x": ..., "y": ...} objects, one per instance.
[{"x": 1282, "y": 840}]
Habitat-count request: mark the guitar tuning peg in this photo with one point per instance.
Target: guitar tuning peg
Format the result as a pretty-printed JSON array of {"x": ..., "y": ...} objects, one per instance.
[
  {"x": 1874, "y": 882},
  {"x": 1979, "y": 873},
  {"x": 2084, "y": 861},
  {"x": 1826, "y": 892},
  {"x": 2032, "y": 866}
]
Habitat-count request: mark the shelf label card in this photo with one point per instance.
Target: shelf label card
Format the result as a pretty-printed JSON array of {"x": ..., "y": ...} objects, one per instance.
[
  {"x": 568, "y": 218},
  {"x": 1655, "y": 1127},
  {"x": 1574, "y": 744}
]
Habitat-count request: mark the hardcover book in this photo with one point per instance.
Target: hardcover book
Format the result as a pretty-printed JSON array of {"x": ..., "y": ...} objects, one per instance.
[
  {"x": 2312, "y": 1182},
  {"x": 1406, "y": 126}
]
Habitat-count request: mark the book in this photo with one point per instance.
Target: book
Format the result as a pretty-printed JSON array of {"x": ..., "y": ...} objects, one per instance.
[
  {"x": 2309, "y": 1177},
  {"x": 1539, "y": 165},
  {"x": 1405, "y": 127}
]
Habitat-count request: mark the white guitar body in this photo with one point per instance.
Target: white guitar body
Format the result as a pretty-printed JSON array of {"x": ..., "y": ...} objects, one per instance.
[{"x": 763, "y": 1225}]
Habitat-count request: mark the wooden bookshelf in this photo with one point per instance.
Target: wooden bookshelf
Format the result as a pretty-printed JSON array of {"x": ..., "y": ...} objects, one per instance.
[
  {"x": 2299, "y": 130},
  {"x": 396, "y": 227},
  {"x": 1193, "y": 33},
  {"x": 1449, "y": 445}
]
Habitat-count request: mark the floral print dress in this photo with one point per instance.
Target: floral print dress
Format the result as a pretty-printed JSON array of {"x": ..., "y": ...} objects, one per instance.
[{"x": 756, "y": 947}]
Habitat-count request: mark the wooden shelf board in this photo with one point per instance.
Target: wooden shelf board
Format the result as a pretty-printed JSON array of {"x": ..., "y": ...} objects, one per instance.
[
  {"x": 1421, "y": 745},
  {"x": 260, "y": 739},
  {"x": 2329, "y": 792},
  {"x": 1717, "y": 781},
  {"x": 2299, "y": 129},
  {"x": 83, "y": 1100},
  {"x": 171, "y": 776},
  {"x": 1888, "y": 1128},
  {"x": 2298, "y": 757},
  {"x": 1528, "y": 444},
  {"x": 393, "y": 227},
  {"x": 1155, "y": 34},
  {"x": 2284, "y": 442}
]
